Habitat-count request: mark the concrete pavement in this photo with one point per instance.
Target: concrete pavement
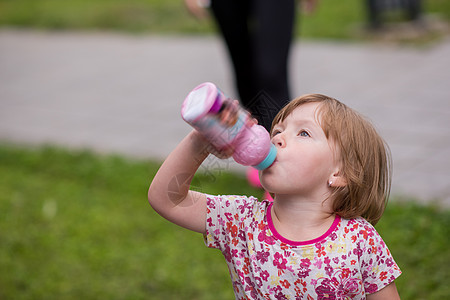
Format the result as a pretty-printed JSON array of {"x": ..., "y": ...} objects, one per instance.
[{"x": 122, "y": 94}]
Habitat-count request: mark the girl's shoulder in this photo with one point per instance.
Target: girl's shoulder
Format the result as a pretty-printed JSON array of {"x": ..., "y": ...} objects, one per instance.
[
  {"x": 358, "y": 228},
  {"x": 356, "y": 222}
]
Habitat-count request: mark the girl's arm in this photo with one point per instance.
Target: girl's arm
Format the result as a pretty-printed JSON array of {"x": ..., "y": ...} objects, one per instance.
[
  {"x": 389, "y": 292},
  {"x": 169, "y": 192}
]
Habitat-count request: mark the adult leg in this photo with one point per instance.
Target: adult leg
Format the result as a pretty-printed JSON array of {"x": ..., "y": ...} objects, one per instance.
[
  {"x": 272, "y": 24},
  {"x": 373, "y": 13},
  {"x": 231, "y": 17}
]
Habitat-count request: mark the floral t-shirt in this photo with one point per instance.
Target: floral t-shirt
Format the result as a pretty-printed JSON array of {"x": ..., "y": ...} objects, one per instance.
[{"x": 349, "y": 261}]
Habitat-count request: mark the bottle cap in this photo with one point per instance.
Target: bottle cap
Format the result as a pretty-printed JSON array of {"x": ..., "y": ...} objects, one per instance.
[
  {"x": 199, "y": 102},
  {"x": 268, "y": 161}
]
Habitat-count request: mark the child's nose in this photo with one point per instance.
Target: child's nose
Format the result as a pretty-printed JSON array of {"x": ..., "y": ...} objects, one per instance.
[{"x": 278, "y": 140}]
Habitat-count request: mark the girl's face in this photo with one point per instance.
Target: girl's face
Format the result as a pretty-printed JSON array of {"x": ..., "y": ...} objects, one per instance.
[{"x": 305, "y": 160}]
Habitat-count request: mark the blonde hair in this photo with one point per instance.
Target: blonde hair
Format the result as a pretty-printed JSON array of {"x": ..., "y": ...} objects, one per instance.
[{"x": 364, "y": 156}]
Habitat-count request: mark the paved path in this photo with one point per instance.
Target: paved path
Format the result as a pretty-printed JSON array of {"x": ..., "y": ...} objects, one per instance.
[{"x": 119, "y": 93}]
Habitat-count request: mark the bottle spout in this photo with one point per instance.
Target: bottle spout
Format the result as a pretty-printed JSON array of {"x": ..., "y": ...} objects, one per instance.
[{"x": 268, "y": 161}]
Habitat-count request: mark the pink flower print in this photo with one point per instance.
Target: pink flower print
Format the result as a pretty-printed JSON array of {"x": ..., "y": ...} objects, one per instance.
[
  {"x": 318, "y": 263},
  {"x": 246, "y": 269},
  {"x": 372, "y": 288},
  {"x": 320, "y": 249},
  {"x": 244, "y": 206},
  {"x": 374, "y": 249},
  {"x": 389, "y": 262},
  {"x": 229, "y": 216},
  {"x": 241, "y": 235},
  {"x": 250, "y": 286},
  {"x": 333, "y": 236},
  {"x": 300, "y": 288},
  {"x": 227, "y": 253},
  {"x": 329, "y": 270},
  {"x": 338, "y": 286},
  {"x": 279, "y": 261},
  {"x": 211, "y": 203},
  {"x": 357, "y": 251},
  {"x": 261, "y": 226},
  {"x": 234, "y": 230},
  {"x": 265, "y": 275},
  {"x": 352, "y": 288},
  {"x": 285, "y": 246},
  {"x": 325, "y": 290},
  {"x": 262, "y": 237},
  {"x": 247, "y": 261},
  {"x": 369, "y": 230},
  {"x": 280, "y": 296},
  {"x": 258, "y": 281},
  {"x": 364, "y": 233},
  {"x": 243, "y": 253},
  {"x": 298, "y": 291},
  {"x": 304, "y": 268},
  {"x": 346, "y": 273},
  {"x": 305, "y": 262},
  {"x": 262, "y": 256},
  {"x": 241, "y": 275},
  {"x": 277, "y": 289},
  {"x": 383, "y": 276},
  {"x": 229, "y": 225},
  {"x": 234, "y": 253},
  {"x": 285, "y": 284}
]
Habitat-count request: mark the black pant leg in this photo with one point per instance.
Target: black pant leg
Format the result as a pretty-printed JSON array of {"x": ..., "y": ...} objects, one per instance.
[
  {"x": 271, "y": 38},
  {"x": 258, "y": 34},
  {"x": 231, "y": 16}
]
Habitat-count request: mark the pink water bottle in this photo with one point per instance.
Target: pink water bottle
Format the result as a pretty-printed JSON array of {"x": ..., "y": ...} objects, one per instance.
[{"x": 223, "y": 122}]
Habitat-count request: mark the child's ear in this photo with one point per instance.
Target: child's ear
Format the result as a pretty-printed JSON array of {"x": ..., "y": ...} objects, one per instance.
[{"x": 337, "y": 180}]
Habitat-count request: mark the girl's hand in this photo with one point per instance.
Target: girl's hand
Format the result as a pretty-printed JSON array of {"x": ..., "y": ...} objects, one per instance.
[
  {"x": 198, "y": 8},
  {"x": 251, "y": 121},
  {"x": 204, "y": 146},
  {"x": 224, "y": 153}
]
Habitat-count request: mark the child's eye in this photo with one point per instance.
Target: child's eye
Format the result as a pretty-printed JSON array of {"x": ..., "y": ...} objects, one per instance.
[
  {"x": 303, "y": 133},
  {"x": 275, "y": 132}
]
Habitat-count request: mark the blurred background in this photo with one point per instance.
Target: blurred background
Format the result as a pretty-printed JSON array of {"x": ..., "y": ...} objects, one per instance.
[{"x": 90, "y": 98}]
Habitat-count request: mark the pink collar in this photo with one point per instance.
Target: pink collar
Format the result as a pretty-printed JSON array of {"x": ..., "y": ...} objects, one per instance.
[{"x": 302, "y": 243}]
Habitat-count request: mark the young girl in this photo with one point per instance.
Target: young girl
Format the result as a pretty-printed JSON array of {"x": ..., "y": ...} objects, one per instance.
[{"x": 330, "y": 180}]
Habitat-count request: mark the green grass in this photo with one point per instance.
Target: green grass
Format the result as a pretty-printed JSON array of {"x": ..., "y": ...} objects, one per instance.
[
  {"x": 77, "y": 225},
  {"x": 332, "y": 19}
]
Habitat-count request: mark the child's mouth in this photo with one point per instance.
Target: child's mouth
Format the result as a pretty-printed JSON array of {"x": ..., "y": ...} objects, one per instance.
[{"x": 274, "y": 162}]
